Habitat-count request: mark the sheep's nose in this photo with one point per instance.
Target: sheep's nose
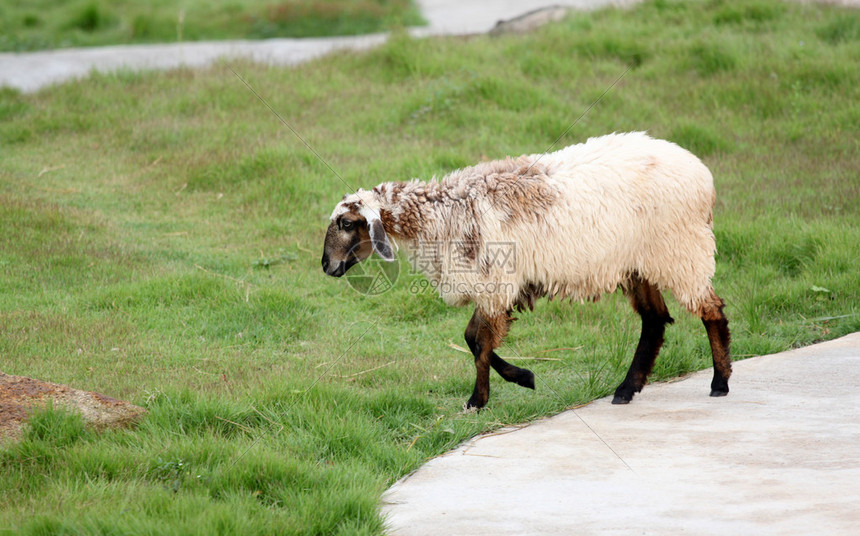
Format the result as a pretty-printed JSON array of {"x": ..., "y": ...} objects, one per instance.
[
  {"x": 338, "y": 271},
  {"x": 334, "y": 271}
]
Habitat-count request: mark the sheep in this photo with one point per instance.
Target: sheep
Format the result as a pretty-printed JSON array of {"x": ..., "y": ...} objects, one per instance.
[{"x": 619, "y": 211}]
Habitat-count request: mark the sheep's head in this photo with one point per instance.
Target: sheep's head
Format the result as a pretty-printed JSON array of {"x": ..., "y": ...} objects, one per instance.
[{"x": 354, "y": 233}]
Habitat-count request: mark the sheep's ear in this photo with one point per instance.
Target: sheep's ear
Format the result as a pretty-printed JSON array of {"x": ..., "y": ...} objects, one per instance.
[{"x": 379, "y": 240}]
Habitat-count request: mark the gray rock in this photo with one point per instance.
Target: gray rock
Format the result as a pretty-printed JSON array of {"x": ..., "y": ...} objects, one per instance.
[{"x": 530, "y": 21}]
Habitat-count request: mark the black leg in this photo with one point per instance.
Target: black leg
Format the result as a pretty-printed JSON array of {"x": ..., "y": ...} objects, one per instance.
[
  {"x": 647, "y": 301},
  {"x": 717, "y": 327},
  {"x": 483, "y": 335},
  {"x": 512, "y": 373}
]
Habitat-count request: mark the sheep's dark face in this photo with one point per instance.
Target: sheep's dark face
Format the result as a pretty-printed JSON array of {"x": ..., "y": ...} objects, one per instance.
[
  {"x": 347, "y": 242},
  {"x": 354, "y": 233}
]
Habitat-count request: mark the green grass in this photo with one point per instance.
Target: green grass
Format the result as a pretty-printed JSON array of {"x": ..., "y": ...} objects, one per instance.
[
  {"x": 162, "y": 235},
  {"x": 40, "y": 24}
]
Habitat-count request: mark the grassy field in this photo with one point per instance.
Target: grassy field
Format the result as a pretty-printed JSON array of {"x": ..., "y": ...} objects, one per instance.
[
  {"x": 162, "y": 236},
  {"x": 40, "y": 24}
]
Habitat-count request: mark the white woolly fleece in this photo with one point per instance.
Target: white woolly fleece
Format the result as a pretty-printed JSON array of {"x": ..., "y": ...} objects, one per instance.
[{"x": 581, "y": 221}]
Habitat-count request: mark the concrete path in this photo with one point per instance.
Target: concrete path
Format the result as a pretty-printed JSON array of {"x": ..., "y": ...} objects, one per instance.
[
  {"x": 779, "y": 456},
  {"x": 32, "y": 71},
  {"x": 457, "y": 17}
]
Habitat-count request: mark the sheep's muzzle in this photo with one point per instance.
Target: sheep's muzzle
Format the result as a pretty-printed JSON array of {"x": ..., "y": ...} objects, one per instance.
[{"x": 336, "y": 269}]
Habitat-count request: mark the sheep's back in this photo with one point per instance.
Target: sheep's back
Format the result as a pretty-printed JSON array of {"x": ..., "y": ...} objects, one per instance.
[{"x": 626, "y": 204}]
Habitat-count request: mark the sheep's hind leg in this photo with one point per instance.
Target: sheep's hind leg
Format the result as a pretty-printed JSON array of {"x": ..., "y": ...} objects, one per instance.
[
  {"x": 648, "y": 302},
  {"x": 483, "y": 336},
  {"x": 717, "y": 327}
]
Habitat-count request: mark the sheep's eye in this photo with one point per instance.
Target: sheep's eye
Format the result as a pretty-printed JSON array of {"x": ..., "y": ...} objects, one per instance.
[{"x": 346, "y": 225}]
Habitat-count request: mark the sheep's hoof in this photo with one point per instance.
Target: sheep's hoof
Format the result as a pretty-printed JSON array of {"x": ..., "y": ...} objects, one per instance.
[
  {"x": 624, "y": 394},
  {"x": 526, "y": 378},
  {"x": 618, "y": 399},
  {"x": 719, "y": 386},
  {"x": 469, "y": 409},
  {"x": 474, "y": 403}
]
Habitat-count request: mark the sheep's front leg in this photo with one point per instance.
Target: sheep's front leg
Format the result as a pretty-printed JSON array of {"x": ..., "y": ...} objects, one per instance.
[{"x": 484, "y": 334}]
